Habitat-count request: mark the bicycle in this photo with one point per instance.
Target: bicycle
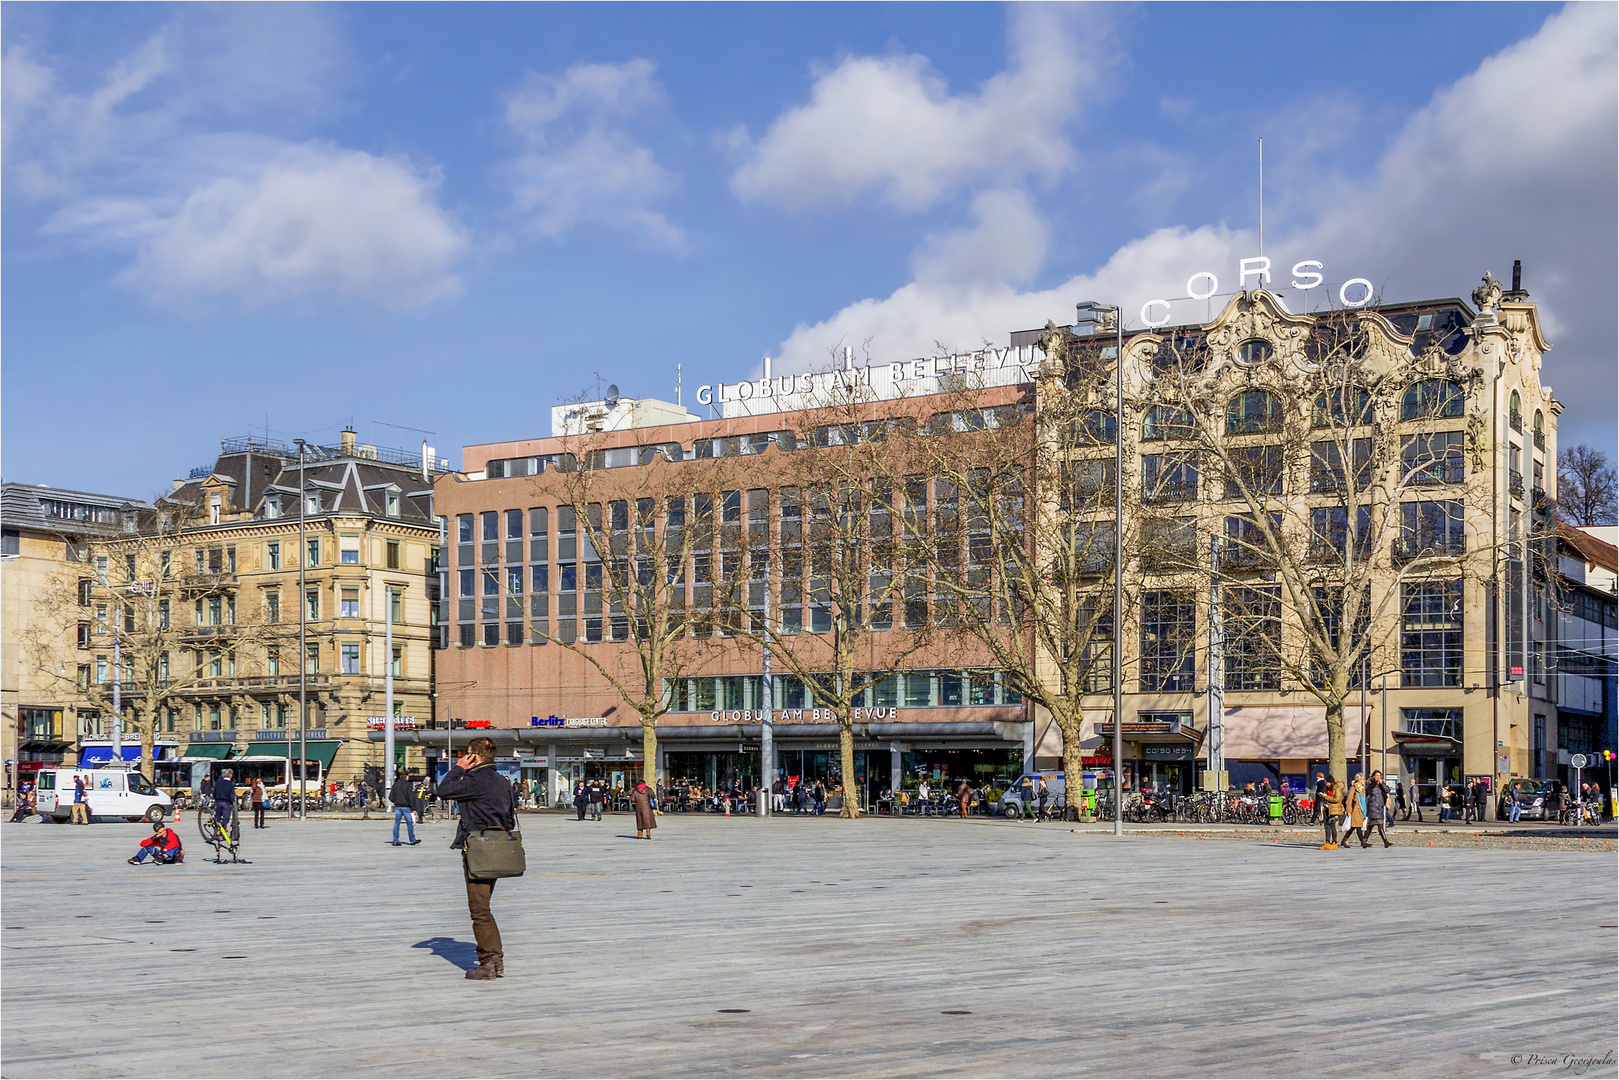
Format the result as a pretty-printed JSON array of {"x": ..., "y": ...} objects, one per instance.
[{"x": 222, "y": 837}]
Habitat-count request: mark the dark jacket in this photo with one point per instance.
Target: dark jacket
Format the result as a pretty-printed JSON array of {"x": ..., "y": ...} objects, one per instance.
[
  {"x": 1377, "y": 802},
  {"x": 483, "y": 797},
  {"x": 403, "y": 794},
  {"x": 225, "y": 790}
]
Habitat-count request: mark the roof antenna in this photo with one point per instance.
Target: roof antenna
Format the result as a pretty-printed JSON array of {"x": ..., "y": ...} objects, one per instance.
[
  {"x": 1262, "y": 196},
  {"x": 677, "y": 387}
]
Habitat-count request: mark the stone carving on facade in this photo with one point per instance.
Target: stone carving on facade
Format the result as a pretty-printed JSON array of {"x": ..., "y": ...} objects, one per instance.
[{"x": 1487, "y": 296}]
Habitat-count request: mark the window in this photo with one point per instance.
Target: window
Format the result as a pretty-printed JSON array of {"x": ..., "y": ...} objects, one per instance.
[
  {"x": 272, "y": 606},
  {"x": 1442, "y": 723},
  {"x": 491, "y": 525},
  {"x": 350, "y": 604},
  {"x": 101, "y": 618},
  {"x": 216, "y": 664},
  {"x": 1433, "y": 399},
  {"x": 213, "y": 509},
  {"x": 312, "y": 502},
  {"x": 1096, "y": 658},
  {"x": 272, "y": 506},
  {"x": 465, "y": 580},
  {"x": 538, "y": 534},
  {"x": 463, "y": 528},
  {"x": 1094, "y": 428},
  {"x": 1168, "y": 477},
  {"x": 215, "y": 722},
  {"x": 393, "y": 555},
  {"x": 1166, "y": 422},
  {"x": 1254, "y": 471},
  {"x": 391, "y": 502},
  {"x": 1327, "y": 474},
  {"x": 272, "y": 662},
  {"x": 1431, "y": 633},
  {"x": 350, "y": 553},
  {"x": 1434, "y": 458},
  {"x": 10, "y": 542},
  {"x": 1168, "y": 628},
  {"x": 396, "y": 605},
  {"x": 1431, "y": 528},
  {"x": 216, "y": 611},
  {"x": 162, "y": 614},
  {"x": 1253, "y": 412},
  {"x": 350, "y": 656},
  {"x": 397, "y": 663},
  {"x": 312, "y": 604},
  {"x": 1251, "y": 620},
  {"x": 1515, "y": 411},
  {"x": 1342, "y": 408},
  {"x": 313, "y": 552},
  {"x": 1329, "y": 532},
  {"x": 273, "y": 555}
]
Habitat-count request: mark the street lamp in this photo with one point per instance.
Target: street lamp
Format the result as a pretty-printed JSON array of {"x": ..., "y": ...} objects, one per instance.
[
  {"x": 303, "y": 647},
  {"x": 1091, "y": 319}
]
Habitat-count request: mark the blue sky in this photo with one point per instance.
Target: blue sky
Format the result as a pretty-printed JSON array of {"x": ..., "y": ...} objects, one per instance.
[{"x": 451, "y": 217}]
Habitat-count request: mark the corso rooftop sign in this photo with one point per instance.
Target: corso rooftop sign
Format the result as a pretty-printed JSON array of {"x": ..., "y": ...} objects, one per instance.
[{"x": 1354, "y": 293}]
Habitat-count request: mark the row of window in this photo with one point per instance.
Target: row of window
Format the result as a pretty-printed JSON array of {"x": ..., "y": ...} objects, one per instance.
[
  {"x": 221, "y": 664},
  {"x": 902, "y": 689}
]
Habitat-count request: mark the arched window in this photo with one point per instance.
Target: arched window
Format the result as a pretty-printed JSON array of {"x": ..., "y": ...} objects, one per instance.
[
  {"x": 1252, "y": 412},
  {"x": 1343, "y": 408},
  {"x": 1540, "y": 423},
  {"x": 1166, "y": 422},
  {"x": 1432, "y": 399}
]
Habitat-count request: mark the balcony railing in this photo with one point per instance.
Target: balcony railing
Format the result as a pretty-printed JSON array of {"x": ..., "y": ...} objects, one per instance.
[
  {"x": 1322, "y": 553},
  {"x": 1516, "y": 420},
  {"x": 1408, "y": 548},
  {"x": 1540, "y": 439},
  {"x": 1238, "y": 557},
  {"x": 1515, "y": 483},
  {"x": 1538, "y": 497},
  {"x": 1171, "y": 493}
]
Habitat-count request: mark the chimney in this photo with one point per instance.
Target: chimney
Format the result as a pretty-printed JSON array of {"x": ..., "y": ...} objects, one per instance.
[
  {"x": 1517, "y": 275},
  {"x": 179, "y": 482},
  {"x": 348, "y": 441}
]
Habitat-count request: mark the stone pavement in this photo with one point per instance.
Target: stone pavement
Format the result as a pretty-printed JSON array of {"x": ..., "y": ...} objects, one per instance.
[{"x": 881, "y": 947}]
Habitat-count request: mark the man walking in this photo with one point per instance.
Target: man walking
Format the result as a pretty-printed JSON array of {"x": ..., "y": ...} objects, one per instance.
[
  {"x": 580, "y": 799},
  {"x": 485, "y": 800},
  {"x": 1411, "y": 802},
  {"x": 1320, "y": 792},
  {"x": 403, "y": 797},
  {"x": 595, "y": 800},
  {"x": 1377, "y": 807},
  {"x": 81, "y": 805}
]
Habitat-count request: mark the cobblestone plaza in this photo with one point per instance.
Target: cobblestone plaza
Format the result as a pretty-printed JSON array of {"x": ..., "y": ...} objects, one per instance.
[{"x": 804, "y": 948}]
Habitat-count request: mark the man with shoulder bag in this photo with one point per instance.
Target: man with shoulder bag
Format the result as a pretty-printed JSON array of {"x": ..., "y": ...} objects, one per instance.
[{"x": 490, "y": 846}]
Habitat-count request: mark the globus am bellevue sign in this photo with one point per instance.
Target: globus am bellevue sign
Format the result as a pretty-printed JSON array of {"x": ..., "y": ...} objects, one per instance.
[{"x": 1305, "y": 275}]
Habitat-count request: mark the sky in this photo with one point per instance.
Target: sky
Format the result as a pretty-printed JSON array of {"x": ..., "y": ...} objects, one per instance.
[{"x": 281, "y": 219}]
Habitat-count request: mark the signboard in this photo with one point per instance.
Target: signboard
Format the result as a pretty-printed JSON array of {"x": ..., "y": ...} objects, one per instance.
[
  {"x": 401, "y": 723},
  {"x": 1578, "y": 761},
  {"x": 1152, "y": 727},
  {"x": 1166, "y": 752},
  {"x": 799, "y": 716},
  {"x": 568, "y": 722}
]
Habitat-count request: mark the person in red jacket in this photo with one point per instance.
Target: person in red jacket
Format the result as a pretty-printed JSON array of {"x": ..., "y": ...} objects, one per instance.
[{"x": 163, "y": 845}]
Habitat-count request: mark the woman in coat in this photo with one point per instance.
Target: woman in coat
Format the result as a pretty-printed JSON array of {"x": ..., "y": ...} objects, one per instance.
[
  {"x": 645, "y": 819},
  {"x": 1332, "y": 810},
  {"x": 1357, "y": 810}
]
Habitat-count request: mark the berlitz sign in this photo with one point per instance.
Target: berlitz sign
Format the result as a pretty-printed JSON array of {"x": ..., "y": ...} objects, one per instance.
[{"x": 1307, "y": 274}]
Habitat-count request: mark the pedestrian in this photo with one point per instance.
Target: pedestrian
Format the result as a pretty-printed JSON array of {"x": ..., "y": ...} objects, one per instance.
[
  {"x": 485, "y": 800},
  {"x": 964, "y": 795},
  {"x": 1467, "y": 802},
  {"x": 1444, "y": 802},
  {"x": 1483, "y": 798},
  {"x": 1041, "y": 798},
  {"x": 224, "y": 800},
  {"x": 1400, "y": 803},
  {"x": 820, "y": 798},
  {"x": 1320, "y": 790},
  {"x": 403, "y": 797},
  {"x": 645, "y": 819},
  {"x": 1411, "y": 802},
  {"x": 25, "y": 801},
  {"x": 81, "y": 805},
  {"x": 595, "y": 800},
  {"x": 256, "y": 797},
  {"x": 1357, "y": 812},
  {"x": 1377, "y": 811},
  {"x": 1331, "y": 800}
]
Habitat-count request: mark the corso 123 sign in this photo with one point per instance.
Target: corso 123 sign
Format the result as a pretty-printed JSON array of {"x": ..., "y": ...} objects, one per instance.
[{"x": 1354, "y": 293}]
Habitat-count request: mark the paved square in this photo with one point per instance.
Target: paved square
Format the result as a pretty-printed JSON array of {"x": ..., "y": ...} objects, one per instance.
[{"x": 874, "y": 948}]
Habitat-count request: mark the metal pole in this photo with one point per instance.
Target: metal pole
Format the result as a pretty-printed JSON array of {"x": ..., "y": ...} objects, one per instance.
[
  {"x": 1118, "y": 572},
  {"x": 303, "y": 640},
  {"x": 767, "y": 733},
  {"x": 1365, "y": 726},
  {"x": 1216, "y": 665},
  {"x": 117, "y": 675},
  {"x": 388, "y": 689}
]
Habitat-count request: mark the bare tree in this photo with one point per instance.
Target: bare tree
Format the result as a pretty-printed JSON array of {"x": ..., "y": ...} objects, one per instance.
[
  {"x": 1329, "y": 471},
  {"x": 169, "y": 612},
  {"x": 1586, "y": 489}
]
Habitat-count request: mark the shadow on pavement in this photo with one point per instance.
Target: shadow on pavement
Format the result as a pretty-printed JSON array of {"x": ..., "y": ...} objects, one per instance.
[{"x": 463, "y": 954}]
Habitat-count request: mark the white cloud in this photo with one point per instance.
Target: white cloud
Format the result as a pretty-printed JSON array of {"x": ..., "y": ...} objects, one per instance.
[
  {"x": 1516, "y": 160},
  {"x": 580, "y": 163},
  {"x": 890, "y": 124},
  {"x": 1007, "y": 245},
  {"x": 317, "y": 220},
  {"x": 188, "y": 153}
]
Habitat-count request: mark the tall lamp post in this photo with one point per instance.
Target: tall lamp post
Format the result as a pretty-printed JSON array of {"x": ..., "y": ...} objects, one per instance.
[
  {"x": 1092, "y": 319},
  {"x": 303, "y": 646}
]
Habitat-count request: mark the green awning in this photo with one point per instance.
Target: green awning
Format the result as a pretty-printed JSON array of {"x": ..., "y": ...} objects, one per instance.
[
  {"x": 208, "y": 749},
  {"x": 321, "y": 750}
]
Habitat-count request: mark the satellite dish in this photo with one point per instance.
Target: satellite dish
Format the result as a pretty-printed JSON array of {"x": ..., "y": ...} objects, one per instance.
[{"x": 612, "y": 394}]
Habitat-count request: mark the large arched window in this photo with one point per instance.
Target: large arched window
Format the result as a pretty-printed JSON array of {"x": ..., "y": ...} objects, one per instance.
[
  {"x": 1252, "y": 412},
  {"x": 1166, "y": 422},
  {"x": 1432, "y": 399},
  {"x": 1343, "y": 408}
]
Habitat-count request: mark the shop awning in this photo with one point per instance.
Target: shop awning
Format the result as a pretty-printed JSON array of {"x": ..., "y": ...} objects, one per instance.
[
  {"x": 208, "y": 749},
  {"x": 1273, "y": 732},
  {"x": 91, "y": 756},
  {"x": 321, "y": 750}
]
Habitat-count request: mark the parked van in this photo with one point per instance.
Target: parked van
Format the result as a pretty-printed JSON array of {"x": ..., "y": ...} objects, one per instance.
[
  {"x": 121, "y": 793},
  {"x": 1026, "y": 789}
]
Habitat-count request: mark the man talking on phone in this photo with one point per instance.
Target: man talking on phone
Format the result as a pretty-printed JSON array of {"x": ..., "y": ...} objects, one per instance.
[{"x": 485, "y": 800}]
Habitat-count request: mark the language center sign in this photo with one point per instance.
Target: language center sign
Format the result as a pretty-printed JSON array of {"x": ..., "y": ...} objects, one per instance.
[{"x": 568, "y": 722}]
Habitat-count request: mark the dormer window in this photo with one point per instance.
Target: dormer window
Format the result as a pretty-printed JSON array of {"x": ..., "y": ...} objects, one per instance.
[
  {"x": 272, "y": 506},
  {"x": 312, "y": 503},
  {"x": 214, "y": 509},
  {"x": 391, "y": 502}
]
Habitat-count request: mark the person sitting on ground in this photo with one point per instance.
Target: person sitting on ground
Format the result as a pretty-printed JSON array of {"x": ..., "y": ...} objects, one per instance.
[{"x": 163, "y": 846}]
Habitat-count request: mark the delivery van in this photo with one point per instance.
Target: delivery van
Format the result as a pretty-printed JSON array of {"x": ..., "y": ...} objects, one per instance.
[{"x": 123, "y": 793}]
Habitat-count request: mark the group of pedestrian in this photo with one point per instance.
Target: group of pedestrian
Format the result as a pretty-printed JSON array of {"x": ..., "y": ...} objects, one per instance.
[{"x": 1354, "y": 812}]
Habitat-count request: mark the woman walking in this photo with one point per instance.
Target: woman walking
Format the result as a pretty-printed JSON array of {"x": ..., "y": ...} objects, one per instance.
[
  {"x": 645, "y": 819},
  {"x": 1332, "y": 810},
  {"x": 257, "y": 798},
  {"x": 1357, "y": 811}
]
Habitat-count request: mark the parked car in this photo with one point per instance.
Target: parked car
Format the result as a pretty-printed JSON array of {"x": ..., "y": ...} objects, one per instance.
[
  {"x": 121, "y": 793},
  {"x": 1026, "y": 789},
  {"x": 1533, "y": 798}
]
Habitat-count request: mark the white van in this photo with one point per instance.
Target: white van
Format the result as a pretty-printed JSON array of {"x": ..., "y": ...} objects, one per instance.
[{"x": 121, "y": 793}]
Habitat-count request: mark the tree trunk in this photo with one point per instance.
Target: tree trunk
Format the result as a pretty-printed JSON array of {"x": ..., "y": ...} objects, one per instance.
[
  {"x": 851, "y": 789},
  {"x": 1335, "y": 741},
  {"x": 649, "y": 752},
  {"x": 1073, "y": 760}
]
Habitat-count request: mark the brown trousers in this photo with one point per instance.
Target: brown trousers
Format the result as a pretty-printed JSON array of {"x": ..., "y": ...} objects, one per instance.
[{"x": 484, "y": 930}]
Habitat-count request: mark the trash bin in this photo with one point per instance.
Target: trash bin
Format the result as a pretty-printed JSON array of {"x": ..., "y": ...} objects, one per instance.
[{"x": 1275, "y": 807}]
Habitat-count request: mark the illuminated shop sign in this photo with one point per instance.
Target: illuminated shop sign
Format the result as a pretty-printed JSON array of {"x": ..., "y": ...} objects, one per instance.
[
  {"x": 798, "y": 716},
  {"x": 568, "y": 722}
]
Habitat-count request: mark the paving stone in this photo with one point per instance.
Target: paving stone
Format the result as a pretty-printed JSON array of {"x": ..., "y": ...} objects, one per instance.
[{"x": 881, "y": 947}]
